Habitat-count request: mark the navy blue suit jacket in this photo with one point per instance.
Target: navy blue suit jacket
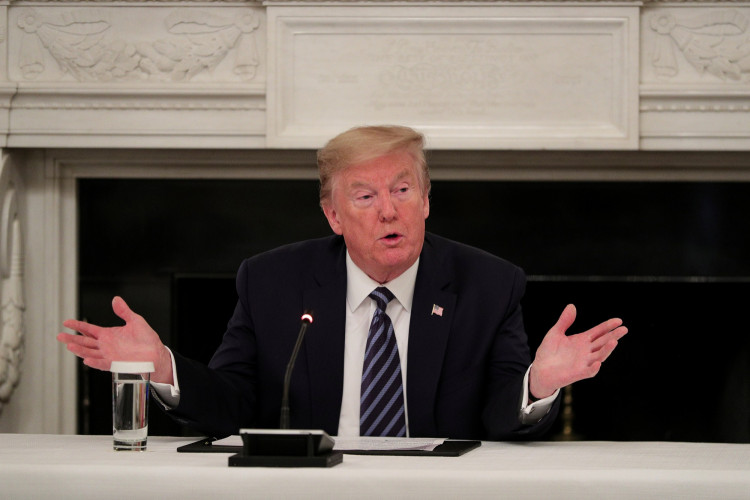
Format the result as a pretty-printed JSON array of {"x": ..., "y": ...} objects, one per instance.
[{"x": 465, "y": 368}]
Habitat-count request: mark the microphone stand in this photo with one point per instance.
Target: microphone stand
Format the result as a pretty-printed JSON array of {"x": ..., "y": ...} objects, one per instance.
[
  {"x": 286, "y": 447},
  {"x": 284, "y": 421}
]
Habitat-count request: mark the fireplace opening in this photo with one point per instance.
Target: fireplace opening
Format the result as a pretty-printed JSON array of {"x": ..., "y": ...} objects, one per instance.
[{"x": 670, "y": 258}]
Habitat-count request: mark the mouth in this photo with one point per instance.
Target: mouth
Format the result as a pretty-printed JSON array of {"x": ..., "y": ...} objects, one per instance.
[{"x": 392, "y": 238}]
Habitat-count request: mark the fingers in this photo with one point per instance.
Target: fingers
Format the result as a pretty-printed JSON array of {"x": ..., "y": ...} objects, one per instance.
[
  {"x": 79, "y": 346},
  {"x": 84, "y": 352},
  {"x": 84, "y": 347},
  {"x": 80, "y": 340},
  {"x": 96, "y": 344},
  {"x": 566, "y": 319},
  {"x": 608, "y": 336},
  {"x": 122, "y": 310},
  {"x": 603, "y": 328},
  {"x": 603, "y": 353},
  {"x": 602, "y": 341},
  {"x": 605, "y": 345},
  {"x": 84, "y": 328}
]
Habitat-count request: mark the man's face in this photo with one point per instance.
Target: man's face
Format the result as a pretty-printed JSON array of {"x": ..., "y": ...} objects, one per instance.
[{"x": 380, "y": 209}]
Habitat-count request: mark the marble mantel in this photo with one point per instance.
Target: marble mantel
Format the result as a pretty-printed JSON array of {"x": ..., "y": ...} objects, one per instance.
[
  {"x": 289, "y": 74},
  {"x": 231, "y": 88}
]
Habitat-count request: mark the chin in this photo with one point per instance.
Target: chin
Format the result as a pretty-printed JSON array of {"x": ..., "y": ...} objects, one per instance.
[{"x": 396, "y": 263}]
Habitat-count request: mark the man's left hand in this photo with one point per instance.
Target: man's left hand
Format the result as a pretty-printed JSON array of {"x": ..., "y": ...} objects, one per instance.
[{"x": 563, "y": 359}]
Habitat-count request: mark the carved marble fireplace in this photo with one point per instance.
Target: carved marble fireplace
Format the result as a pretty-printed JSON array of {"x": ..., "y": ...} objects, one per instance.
[{"x": 513, "y": 90}]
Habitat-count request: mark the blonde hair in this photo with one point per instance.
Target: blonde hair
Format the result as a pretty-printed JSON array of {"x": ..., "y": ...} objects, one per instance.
[{"x": 361, "y": 144}]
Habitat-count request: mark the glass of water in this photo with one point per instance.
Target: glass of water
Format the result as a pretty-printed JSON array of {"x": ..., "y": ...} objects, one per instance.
[{"x": 130, "y": 381}]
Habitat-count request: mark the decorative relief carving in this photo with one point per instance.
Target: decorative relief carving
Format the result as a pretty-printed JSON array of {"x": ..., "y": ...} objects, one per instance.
[
  {"x": 716, "y": 43},
  {"x": 476, "y": 79},
  {"x": 471, "y": 77},
  {"x": 11, "y": 288},
  {"x": 486, "y": 77},
  {"x": 82, "y": 43}
]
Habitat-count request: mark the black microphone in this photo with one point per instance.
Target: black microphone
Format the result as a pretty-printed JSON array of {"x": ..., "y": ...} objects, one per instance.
[
  {"x": 307, "y": 319},
  {"x": 285, "y": 447}
]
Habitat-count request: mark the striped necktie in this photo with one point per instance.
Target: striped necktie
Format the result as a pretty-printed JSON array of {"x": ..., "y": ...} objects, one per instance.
[{"x": 382, "y": 394}]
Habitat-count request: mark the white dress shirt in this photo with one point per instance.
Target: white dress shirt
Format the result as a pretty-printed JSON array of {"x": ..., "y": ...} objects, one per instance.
[{"x": 359, "y": 312}]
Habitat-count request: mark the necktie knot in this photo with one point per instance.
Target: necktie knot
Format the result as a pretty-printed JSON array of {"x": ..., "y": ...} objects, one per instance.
[{"x": 381, "y": 295}]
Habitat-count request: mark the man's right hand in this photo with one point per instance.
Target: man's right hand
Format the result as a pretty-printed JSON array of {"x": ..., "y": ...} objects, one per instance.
[{"x": 135, "y": 341}]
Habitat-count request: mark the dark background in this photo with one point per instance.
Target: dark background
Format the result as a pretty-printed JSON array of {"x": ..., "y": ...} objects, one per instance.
[{"x": 671, "y": 259}]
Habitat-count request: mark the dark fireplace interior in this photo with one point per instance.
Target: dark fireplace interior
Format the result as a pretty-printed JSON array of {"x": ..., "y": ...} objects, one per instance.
[{"x": 671, "y": 258}]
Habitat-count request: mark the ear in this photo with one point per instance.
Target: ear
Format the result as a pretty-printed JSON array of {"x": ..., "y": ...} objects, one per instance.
[
  {"x": 332, "y": 217},
  {"x": 426, "y": 206}
]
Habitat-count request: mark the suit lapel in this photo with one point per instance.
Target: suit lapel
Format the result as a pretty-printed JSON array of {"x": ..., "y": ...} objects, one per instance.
[
  {"x": 324, "y": 340},
  {"x": 428, "y": 338}
]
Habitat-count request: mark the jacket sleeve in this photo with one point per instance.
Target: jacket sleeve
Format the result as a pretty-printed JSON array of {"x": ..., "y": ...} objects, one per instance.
[
  {"x": 220, "y": 398},
  {"x": 509, "y": 361}
]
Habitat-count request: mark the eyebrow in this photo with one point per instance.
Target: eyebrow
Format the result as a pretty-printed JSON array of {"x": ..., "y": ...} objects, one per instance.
[{"x": 356, "y": 185}]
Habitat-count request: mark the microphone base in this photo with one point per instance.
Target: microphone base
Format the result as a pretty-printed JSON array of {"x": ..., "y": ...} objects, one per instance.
[
  {"x": 286, "y": 448},
  {"x": 326, "y": 460}
]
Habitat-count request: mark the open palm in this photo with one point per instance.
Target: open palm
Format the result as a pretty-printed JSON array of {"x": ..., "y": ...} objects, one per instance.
[
  {"x": 134, "y": 341},
  {"x": 563, "y": 359}
]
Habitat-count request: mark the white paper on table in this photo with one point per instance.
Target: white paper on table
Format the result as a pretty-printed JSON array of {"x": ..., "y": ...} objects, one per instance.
[
  {"x": 368, "y": 443},
  {"x": 233, "y": 440},
  {"x": 364, "y": 443}
]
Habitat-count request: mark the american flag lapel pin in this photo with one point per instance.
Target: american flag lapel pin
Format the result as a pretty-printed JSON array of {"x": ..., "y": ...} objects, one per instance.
[{"x": 437, "y": 310}]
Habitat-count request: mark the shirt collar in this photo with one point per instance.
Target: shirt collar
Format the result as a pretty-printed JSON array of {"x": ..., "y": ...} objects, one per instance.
[{"x": 359, "y": 285}]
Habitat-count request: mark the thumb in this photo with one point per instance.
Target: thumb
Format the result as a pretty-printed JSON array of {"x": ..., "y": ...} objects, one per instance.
[
  {"x": 567, "y": 318},
  {"x": 122, "y": 310}
]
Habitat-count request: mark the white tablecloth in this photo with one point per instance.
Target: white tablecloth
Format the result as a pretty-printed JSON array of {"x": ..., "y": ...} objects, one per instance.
[{"x": 55, "y": 466}]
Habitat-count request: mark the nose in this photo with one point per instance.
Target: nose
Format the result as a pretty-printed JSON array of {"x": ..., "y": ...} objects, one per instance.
[{"x": 386, "y": 210}]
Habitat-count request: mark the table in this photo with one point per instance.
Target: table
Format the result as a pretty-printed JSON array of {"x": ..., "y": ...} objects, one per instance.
[{"x": 65, "y": 466}]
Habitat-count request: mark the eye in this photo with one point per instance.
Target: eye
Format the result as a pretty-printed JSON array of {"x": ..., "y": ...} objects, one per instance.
[
  {"x": 402, "y": 190},
  {"x": 363, "y": 199}
]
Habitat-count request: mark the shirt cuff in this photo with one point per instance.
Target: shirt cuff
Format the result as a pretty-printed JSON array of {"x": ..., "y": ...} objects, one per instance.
[
  {"x": 168, "y": 393},
  {"x": 533, "y": 412}
]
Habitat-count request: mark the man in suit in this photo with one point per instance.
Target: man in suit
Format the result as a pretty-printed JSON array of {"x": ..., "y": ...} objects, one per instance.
[{"x": 457, "y": 362}]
